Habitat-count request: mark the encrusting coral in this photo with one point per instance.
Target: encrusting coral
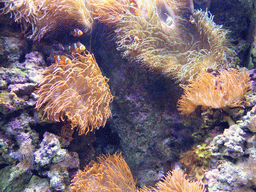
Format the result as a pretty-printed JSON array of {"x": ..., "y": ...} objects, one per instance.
[
  {"x": 111, "y": 173},
  {"x": 167, "y": 36},
  {"x": 222, "y": 90},
  {"x": 77, "y": 91},
  {"x": 48, "y": 16},
  {"x": 196, "y": 162}
]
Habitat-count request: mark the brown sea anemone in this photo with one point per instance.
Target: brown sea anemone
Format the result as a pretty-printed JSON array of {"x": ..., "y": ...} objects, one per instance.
[
  {"x": 108, "y": 11},
  {"x": 77, "y": 91},
  {"x": 169, "y": 37},
  {"x": 46, "y": 17}
]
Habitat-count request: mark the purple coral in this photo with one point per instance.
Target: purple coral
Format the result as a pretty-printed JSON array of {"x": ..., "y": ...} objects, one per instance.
[
  {"x": 230, "y": 143},
  {"x": 48, "y": 148},
  {"x": 34, "y": 57},
  {"x": 59, "y": 161},
  {"x": 252, "y": 75}
]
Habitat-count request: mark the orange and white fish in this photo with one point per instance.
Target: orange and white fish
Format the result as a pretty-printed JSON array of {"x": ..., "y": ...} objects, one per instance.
[
  {"x": 134, "y": 7},
  {"x": 76, "y": 32},
  {"x": 192, "y": 19},
  {"x": 76, "y": 47},
  {"x": 62, "y": 59},
  {"x": 131, "y": 39}
]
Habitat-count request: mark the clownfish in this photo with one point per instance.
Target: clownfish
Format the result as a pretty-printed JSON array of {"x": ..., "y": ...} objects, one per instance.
[
  {"x": 62, "y": 59},
  {"x": 134, "y": 7},
  {"x": 192, "y": 19},
  {"x": 76, "y": 47},
  {"x": 76, "y": 32},
  {"x": 131, "y": 39}
]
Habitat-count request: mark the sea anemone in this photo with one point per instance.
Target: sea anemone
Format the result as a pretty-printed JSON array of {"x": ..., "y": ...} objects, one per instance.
[
  {"x": 77, "y": 91},
  {"x": 48, "y": 16},
  {"x": 111, "y": 173},
  {"x": 169, "y": 37},
  {"x": 219, "y": 90},
  {"x": 176, "y": 181}
]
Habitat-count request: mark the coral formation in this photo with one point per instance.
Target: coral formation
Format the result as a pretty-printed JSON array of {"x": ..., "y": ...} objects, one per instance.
[
  {"x": 57, "y": 161},
  {"x": 203, "y": 154},
  {"x": 222, "y": 90},
  {"x": 47, "y": 16},
  {"x": 26, "y": 153},
  {"x": 17, "y": 152},
  {"x": 196, "y": 162},
  {"x": 11, "y": 48},
  {"x": 230, "y": 144},
  {"x": 168, "y": 37},
  {"x": 234, "y": 154},
  {"x": 78, "y": 91}
]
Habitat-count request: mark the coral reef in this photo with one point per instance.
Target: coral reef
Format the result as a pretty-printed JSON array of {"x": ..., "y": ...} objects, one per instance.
[
  {"x": 78, "y": 91},
  {"x": 230, "y": 143},
  {"x": 18, "y": 83},
  {"x": 11, "y": 48},
  {"x": 220, "y": 90},
  {"x": 13, "y": 183},
  {"x": 37, "y": 184},
  {"x": 46, "y": 17},
  {"x": 54, "y": 162},
  {"x": 234, "y": 157},
  {"x": 18, "y": 152},
  {"x": 196, "y": 162},
  {"x": 168, "y": 37},
  {"x": 232, "y": 177}
]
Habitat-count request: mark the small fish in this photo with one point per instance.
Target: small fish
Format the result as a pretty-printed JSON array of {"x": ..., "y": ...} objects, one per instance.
[
  {"x": 76, "y": 47},
  {"x": 62, "y": 59},
  {"x": 131, "y": 39},
  {"x": 134, "y": 7},
  {"x": 192, "y": 19},
  {"x": 76, "y": 32},
  {"x": 212, "y": 71}
]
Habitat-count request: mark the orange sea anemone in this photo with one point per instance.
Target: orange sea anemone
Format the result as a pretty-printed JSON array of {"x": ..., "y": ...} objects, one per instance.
[
  {"x": 224, "y": 89},
  {"x": 176, "y": 181},
  {"x": 77, "y": 91},
  {"x": 110, "y": 174}
]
